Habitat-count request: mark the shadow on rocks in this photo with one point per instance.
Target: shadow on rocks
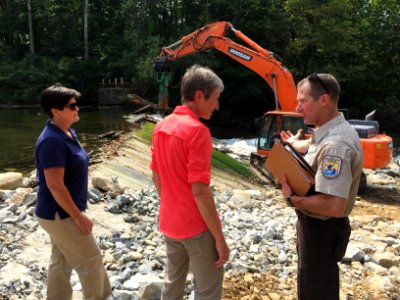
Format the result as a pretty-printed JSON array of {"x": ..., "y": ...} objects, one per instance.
[{"x": 381, "y": 194}]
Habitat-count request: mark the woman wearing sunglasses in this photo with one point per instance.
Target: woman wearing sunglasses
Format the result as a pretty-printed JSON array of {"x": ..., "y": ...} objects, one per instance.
[{"x": 62, "y": 176}]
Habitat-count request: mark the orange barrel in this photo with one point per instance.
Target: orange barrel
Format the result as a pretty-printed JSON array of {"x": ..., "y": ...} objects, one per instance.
[{"x": 378, "y": 151}]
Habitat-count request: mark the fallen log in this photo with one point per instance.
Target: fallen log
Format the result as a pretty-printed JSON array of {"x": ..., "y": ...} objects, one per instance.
[
  {"x": 146, "y": 105},
  {"x": 137, "y": 100},
  {"x": 111, "y": 134}
]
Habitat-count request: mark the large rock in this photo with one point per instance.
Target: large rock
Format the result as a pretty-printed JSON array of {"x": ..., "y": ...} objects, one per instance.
[
  {"x": 377, "y": 283},
  {"x": 242, "y": 199},
  {"x": 386, "y": 259},
  {"x": 152, "y": 291},
  {"x": 10, "y": 180},
  {"x": 108, "y": 184},
  {"x": 19, "y": 196},
  {"x": 354, "y": 253}
]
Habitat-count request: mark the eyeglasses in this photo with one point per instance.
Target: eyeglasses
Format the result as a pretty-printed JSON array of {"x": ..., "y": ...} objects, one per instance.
[
  {"x": 314, "y": 77},
  {"x": 71, "y": 106}
]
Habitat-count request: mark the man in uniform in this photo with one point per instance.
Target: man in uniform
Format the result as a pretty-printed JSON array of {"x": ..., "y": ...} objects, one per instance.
[
  {"x": 181, "y": 165},
  {"x": 334, "y": 151}
]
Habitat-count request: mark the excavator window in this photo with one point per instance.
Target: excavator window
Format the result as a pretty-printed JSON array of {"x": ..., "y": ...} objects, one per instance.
[
  {"x": 272, "y": 124},
  {"x": 294, "y": 123},
  {"x": 269, "y": 131}
]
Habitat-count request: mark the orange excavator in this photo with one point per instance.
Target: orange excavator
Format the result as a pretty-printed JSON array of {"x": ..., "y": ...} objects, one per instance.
[{"x": 377, "y": 147}]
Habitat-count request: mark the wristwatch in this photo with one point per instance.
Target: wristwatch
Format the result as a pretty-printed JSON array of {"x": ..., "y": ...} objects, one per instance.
[{"x": 289, "y": 200}]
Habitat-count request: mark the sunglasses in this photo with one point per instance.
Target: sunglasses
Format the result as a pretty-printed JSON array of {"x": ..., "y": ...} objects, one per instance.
[
  {"x": 314, "y": 77},
  {"x": 71, "y": 106}
]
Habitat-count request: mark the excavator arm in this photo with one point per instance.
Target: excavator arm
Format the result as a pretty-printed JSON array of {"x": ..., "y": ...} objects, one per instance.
[
  {"x": 257, "y": 59},
  {"x": 377, "y": 149}
]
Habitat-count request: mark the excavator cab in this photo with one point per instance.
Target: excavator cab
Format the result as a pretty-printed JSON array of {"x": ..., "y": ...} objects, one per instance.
[
  {"x": 272, "y": 123},
  {"x": 269, "y": 127}
]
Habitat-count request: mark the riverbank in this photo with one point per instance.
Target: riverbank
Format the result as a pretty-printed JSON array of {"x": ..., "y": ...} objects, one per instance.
[{"x": 258, "y": 225}]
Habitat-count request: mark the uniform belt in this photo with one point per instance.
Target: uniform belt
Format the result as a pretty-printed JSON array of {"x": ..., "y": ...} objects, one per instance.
[
  {"x": 331, "y": 222},
  {"x": 300, "y": 214}
]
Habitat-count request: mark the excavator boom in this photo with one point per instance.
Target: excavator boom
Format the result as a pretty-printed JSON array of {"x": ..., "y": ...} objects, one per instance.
[
  {"x": 377, "y": 149},
  {"x": 258, "y": 59}
]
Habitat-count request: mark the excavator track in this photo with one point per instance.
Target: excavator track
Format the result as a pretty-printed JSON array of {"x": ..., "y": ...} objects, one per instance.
[{"x": 257, "y": 165}]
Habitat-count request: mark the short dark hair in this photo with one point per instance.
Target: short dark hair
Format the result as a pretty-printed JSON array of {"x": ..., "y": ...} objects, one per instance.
[
  {"x": 322, "y": 83},
  {"x": 57, "y": 96},
  {"x": 199, "y": 78}
]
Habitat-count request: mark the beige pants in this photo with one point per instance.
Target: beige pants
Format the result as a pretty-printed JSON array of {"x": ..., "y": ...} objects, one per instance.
[
  {"x": 72, "y": 249},
  {"x": 198, "y": 251}
]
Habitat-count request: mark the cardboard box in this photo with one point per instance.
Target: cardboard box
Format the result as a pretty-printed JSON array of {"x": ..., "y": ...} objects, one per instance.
[{"x": 285, "y": 160}]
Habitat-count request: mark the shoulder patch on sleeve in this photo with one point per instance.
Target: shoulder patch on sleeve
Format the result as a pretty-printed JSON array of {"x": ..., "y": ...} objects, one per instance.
[{"x": 331, "y": 166}]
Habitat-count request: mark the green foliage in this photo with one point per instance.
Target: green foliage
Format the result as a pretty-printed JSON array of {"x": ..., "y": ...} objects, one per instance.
[
  {"x": 323, "y": 35},
  {"x": 146, "y": 132},
  {"x": 219, "y": 159},
  {"x": 22, "y": 81},
  {"x": 356, "y": 40},
  {"x": 227, "y": 163},
  {"x": 381, "y": 44}
]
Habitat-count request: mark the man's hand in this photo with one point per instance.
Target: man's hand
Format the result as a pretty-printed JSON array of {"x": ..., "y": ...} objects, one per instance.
[
  {"x": 84, "y": 223},
  {"x": 288, "y": 137},
  {"x": 223, "y": 253},
  {"x": 286, "y": 189}
]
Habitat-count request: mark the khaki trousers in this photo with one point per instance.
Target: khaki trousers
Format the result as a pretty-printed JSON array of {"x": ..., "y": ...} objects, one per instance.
[
  {"x": 72, "y": 249},
  {"x": 200, "y": 253}
]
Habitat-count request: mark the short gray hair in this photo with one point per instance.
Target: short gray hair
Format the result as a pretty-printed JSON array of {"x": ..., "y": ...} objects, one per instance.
[{"x": 199, "y": 78}]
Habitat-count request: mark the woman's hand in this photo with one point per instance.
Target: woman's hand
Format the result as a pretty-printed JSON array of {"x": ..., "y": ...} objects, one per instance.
[
  {"x": 55, "y": 182},
  {"x": 223, "y": 253},
  {"x": 84, "y": 223}
]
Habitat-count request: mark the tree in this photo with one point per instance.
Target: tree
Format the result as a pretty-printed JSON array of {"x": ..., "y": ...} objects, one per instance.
[
  {"x": 356, "y": 40},
  {"x": 85, "y": 29},
  {"x": 30, "y": 25},
  {"x": 381, "y": 49}
]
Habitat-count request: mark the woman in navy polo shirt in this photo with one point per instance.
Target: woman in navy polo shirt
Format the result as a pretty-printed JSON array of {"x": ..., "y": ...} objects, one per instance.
[{"x": 62, "y": 176}]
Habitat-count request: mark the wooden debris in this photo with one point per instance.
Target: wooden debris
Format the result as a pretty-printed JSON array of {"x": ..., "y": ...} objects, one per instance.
[
  {"x": 134, "y": 118},
  {"x": 137, "y": 100},
  {"x": 111, "y": 134},
  {"x": 146, "y": 105}
]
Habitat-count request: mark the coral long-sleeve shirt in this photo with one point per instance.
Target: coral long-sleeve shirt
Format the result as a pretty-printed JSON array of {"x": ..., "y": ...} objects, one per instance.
[{"x": 181, "y": 155}]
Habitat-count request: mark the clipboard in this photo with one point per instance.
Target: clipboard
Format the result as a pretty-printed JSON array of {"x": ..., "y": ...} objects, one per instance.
[{"x": 285, "y": 160}]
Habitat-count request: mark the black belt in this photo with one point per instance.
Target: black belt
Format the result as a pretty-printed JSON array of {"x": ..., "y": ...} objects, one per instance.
[{"x": 330, "y": 221}]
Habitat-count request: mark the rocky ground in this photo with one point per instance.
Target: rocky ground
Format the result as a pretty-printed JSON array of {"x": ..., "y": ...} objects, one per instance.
[{"x": 258, "y": 225}]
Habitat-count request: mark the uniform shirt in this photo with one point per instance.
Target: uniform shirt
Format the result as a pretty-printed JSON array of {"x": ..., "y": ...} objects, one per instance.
[
  {"x": 181, "y": 155},
  {"x": 55, "y": 149},
  {"x": 336, "y": 155}
]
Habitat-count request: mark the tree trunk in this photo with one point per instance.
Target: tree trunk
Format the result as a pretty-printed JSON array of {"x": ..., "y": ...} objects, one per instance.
[
  {"x": 86, "y": 31},
  {"x": 31, "y": 37}
]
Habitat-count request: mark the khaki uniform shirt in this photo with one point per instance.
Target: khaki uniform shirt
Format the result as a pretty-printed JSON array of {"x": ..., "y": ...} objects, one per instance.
[{"x": 336, "y": 155}]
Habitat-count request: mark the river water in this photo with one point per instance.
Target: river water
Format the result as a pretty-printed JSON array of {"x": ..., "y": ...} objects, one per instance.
[{"x": 20, "y": 127}]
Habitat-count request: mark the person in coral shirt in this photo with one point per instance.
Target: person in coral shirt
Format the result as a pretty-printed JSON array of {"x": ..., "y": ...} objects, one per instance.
[{"x": 181, "y": 167}]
